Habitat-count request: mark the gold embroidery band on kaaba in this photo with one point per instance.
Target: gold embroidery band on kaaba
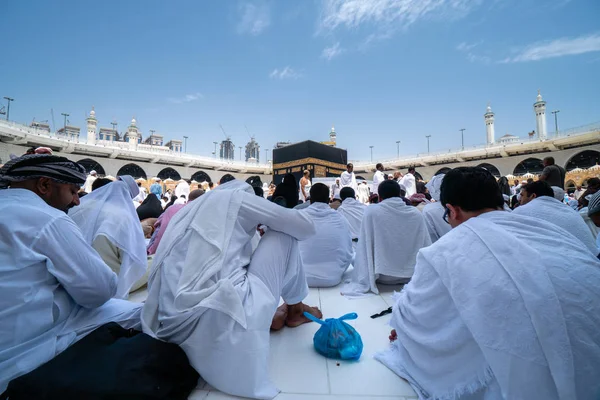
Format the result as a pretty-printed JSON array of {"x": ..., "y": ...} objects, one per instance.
[{"x": 309, "y": 160}]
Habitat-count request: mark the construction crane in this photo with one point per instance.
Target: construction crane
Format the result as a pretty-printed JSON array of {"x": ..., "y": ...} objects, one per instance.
[
  {"x": 224, "y": 133},
  {"x": 248, "y": 132}
]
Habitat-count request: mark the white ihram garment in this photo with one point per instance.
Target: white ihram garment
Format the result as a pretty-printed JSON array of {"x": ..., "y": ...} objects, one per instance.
[
  {"x": 410, "y": 184},
  {"x": 54, "y": 288},
  {"x": 306, "y": 190},
  {"x": 209, "y": 294},
  {"x": 182, "y": 188},
  {"x": 89, "y": 181},
  {"x": 560, "y": 214},
  {"x": 391, "y": 235},
  {"x": 327, "y": 254},
  {"x": 348, "y": 179},
  {"x": 378, "y": 177},
  {"x": 475, "y": 323},
  {"x": 435, "y": 186},
  {"x": 353, "y": 210},
  {"x": 433, "y": 214},
  {"x": 109, "y": 211},
  {"x": 363, "y": 193}
]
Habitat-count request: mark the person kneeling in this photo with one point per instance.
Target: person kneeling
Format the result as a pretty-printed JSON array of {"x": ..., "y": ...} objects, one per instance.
[{"x": 327, "y": 254}]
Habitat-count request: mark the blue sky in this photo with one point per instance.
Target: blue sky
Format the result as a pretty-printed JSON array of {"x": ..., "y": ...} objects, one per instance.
[{"x": 380, "y": 70}]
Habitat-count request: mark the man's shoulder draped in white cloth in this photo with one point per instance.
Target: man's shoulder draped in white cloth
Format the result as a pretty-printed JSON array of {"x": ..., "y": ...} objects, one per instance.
[
  {"x": 555, "y": 211},
  {"x": 182, "y": 188},
  {"x": 433, "y": 214},
  {"x": 475, "y": 322},
  {"x": 327, "y": 254},
  {"x": 353, "y": 210},
  {"x": 109, "y": 211},
  {"x": 348, "y": 179},
  {"x": 409, "y": 183},
  {"x": 391, "y": 235}
]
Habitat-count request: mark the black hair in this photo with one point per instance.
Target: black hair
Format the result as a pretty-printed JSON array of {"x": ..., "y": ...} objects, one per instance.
[
  {"x": 421, "y": 188},
  {"x": 471, "y": 188},
  {"x": 549, "y": 161},
  {"x": 349, "y": 165},
  {"x": 258, "y": 191},
  {"x": 99, "y": 182},
  {"x": 347, "y": 192},
  {"x": 411, "y": 169},
  {"x": 504, "y": 185},
  {"x": 139, "y": 184},
  {"x": 319, "y": 193},
  {"x": 211, "y": 185},
  {"x": 379, "y": 165},
  {"x": 388, "y": 189},
  {"x": 226, "y": 178},
  {"x": 539, "y": 188}
]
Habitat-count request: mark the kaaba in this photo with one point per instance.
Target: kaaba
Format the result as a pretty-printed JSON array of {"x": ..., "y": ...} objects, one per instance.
[{"x": 320, "y": 159}]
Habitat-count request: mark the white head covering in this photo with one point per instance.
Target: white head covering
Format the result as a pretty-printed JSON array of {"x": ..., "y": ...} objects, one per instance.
[
  {"x": 435, "y": 185},
  {"x": 559, "y": 194},
  {"x": 109, "y": 211}
]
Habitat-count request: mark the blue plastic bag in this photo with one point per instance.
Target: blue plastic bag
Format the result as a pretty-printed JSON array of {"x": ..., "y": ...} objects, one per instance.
[{"x": 337, "y": 339}]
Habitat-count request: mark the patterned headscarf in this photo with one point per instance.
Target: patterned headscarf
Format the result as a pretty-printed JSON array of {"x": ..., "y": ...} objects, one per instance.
[{"x": 31, "y": 166}]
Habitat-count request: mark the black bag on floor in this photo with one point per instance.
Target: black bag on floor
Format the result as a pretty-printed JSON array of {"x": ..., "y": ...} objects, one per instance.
[{"x": 110, "y": 363}]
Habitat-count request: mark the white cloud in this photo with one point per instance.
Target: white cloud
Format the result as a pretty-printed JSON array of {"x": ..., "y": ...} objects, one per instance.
[
  {"x": 332, "y": 51},
  {"x": 556, "y": 48},
  {"x": 254, "y": 18},
  {"x": 185, "y": 99},
  {"x": 285, "y": 73},
  {"x": 396, "y": 13},
  {"x": 464, "y": 46}
]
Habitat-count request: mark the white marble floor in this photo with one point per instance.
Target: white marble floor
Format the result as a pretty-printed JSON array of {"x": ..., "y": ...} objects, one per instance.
[{"x": 302, "y": 374}]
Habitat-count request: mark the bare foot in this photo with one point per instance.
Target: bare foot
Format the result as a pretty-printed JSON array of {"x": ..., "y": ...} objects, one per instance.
[
  {"x": 296, "y": 314},
  {"x": 393, "y": 335},
  {"x": 279, "y": 317}
]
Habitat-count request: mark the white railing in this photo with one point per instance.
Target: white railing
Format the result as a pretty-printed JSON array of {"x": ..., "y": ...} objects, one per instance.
[
  {"x": 140, "y": 148},
  {"x": 494, "y": 148}
]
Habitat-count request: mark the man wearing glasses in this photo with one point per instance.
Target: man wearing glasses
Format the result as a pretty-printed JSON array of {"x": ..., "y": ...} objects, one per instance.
[{"x": 477, "y": 322}]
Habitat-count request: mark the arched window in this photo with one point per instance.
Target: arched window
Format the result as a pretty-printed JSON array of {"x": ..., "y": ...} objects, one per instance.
[
  {"x": 201, "y": 176},
  {"x": 492, "y": 168},
  {"x": 92, "y": 165},
  {"x": 169, "y": 173},
  {"x": 132, "y": 169},
  {"x": 584, "y": 159},
  {"x": 531, "y": 165}
]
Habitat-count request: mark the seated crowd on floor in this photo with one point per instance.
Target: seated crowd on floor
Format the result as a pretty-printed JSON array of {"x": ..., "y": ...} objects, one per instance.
[{"x": 500, "y": 284}]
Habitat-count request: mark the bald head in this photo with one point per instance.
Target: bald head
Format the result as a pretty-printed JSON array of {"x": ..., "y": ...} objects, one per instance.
[{"x": 194, "y": 194}]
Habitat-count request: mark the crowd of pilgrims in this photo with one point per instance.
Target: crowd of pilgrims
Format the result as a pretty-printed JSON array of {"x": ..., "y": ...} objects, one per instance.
[{"x": 500, "y": 297}]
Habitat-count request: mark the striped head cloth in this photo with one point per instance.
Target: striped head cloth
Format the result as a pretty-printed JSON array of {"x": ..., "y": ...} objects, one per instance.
[
  {"x": 594, "y": 204},
  {"x": 31, "y": 166}
]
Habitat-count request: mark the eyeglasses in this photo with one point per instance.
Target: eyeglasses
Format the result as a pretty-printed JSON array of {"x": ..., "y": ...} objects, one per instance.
[{"x": 446, "y": 212}]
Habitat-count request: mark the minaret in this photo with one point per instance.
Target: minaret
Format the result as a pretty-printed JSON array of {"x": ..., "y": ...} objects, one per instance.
[
  {"x": 132, "y": 134},
  {"x": 332, "y": 135},
  {"x": 489, "y": 125},
  {"x": 539, "y": 107},
  {"x": 91, "y": 127}
]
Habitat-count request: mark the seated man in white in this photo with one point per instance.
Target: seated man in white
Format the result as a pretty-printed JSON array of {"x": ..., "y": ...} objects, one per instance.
[
  {"x": 54, "y": 288},
  {"x": 110, "y": 224},
  {"x": 537, "y": 200},
  {"x": 433, "y": 212},
  {"x": 327, "y": 254},
  {"x": 353, "y": 210},
  {"x": 477, "y": 323},
  {"x": 215, "y": 298},
  {"x": 391, "y": 235}
]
